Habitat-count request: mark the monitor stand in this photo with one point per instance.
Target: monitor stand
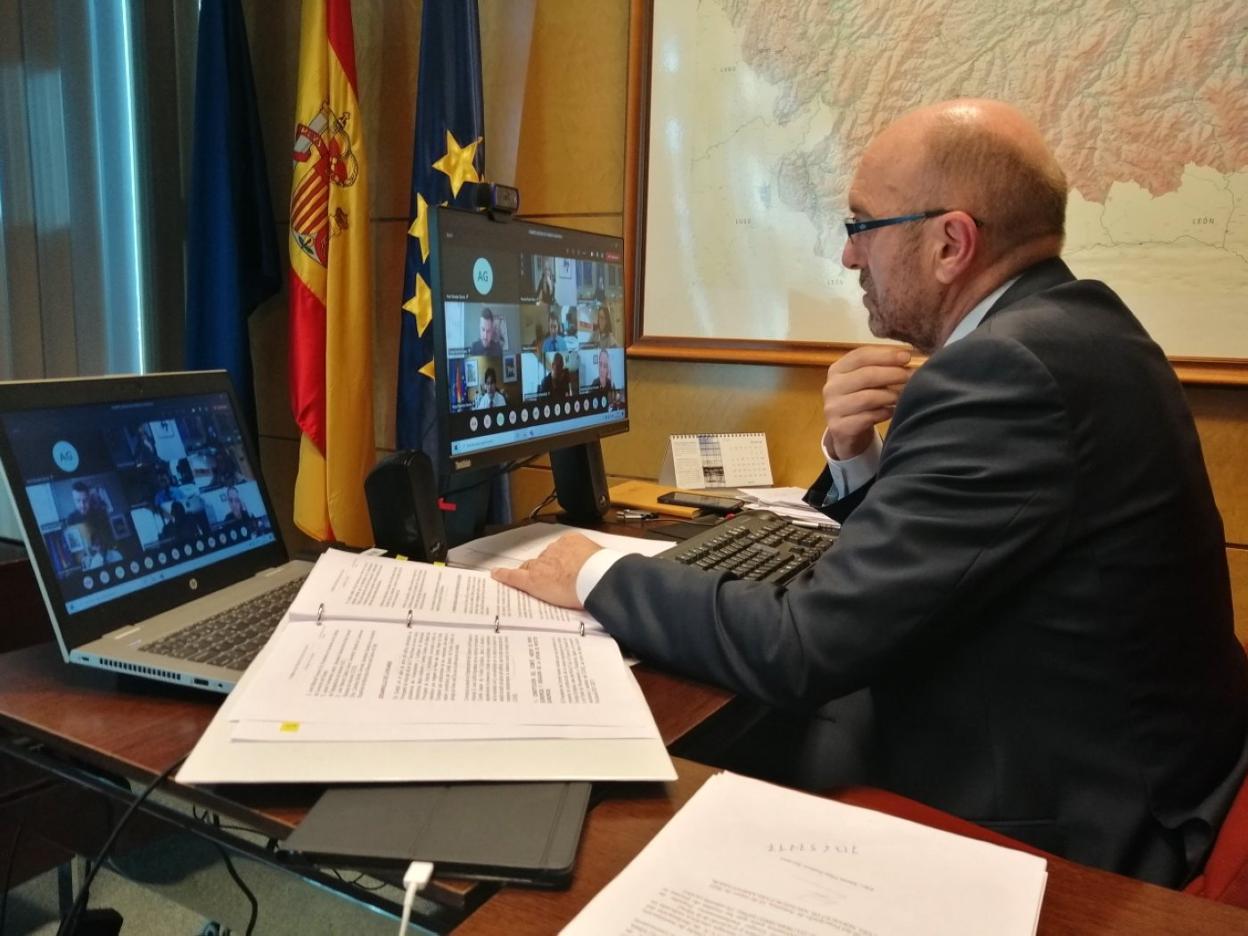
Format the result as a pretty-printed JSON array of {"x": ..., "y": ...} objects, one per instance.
[{"x": 581, "y": 482}]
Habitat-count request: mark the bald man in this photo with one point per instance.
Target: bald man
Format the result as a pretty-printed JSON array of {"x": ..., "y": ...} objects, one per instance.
[{"x": 1031, "y": 578}]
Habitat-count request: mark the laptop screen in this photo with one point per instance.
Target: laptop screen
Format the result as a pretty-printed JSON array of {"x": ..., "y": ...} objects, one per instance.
[{"x": 130, "y": 494}]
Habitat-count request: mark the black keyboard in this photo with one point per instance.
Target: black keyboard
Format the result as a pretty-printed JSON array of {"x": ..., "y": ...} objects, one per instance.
[
  {"x": 756, "y": 545},
  {"x": 233, "y": 637}
]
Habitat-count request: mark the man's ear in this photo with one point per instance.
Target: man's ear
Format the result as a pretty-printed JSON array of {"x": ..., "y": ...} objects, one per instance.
[{"x": 957, "y": 245}]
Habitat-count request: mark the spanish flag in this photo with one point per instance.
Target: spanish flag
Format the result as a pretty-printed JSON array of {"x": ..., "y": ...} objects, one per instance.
[{"x": 331, "y": 318}]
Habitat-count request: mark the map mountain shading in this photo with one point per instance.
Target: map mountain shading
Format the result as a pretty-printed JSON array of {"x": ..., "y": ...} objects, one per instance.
[{"x": 761, "y": 108}]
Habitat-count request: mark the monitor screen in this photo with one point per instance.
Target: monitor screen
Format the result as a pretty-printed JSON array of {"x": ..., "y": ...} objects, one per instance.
[
  {"x": 130, "y": 494},
  {"x": 528, "y": 330}
]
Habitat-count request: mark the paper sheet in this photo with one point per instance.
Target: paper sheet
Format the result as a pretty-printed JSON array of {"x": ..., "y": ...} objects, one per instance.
[
  {"x": 217, "y": 758},
  {"x": 512, "y": 547},
  {"x": 786, "y": 502},
  {"x": 411, "y": 731},
  {"x": 369, "y": 673},
  {"x": 744, "y": 856},
  {"x": 347, "y": 586}
]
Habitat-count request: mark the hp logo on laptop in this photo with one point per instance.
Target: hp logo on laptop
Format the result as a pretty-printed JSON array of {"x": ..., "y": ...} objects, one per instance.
[{"x": 194, "y": 583}]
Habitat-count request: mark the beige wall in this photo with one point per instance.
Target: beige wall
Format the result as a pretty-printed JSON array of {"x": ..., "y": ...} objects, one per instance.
[{"x": 570, "y": 164}]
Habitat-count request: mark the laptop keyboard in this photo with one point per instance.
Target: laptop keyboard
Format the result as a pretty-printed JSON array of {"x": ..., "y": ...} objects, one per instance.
[
  {"x": 233, "y": 637},
  {"x": 756, "y": 545}
]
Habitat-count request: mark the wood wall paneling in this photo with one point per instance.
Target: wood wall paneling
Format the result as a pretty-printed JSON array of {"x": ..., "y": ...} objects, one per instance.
[
  {"x": 1237, "y": 559},
  {"x": 1222, "y": 421},
  {"x": 571, "y": 158}
]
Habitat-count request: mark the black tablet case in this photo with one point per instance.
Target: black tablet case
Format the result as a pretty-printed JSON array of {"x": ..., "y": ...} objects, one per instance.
[{"x": 522, "y": 832}]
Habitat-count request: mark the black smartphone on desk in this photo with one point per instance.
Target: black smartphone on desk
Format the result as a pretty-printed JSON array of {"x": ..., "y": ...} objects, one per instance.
[{"x": 710, "y": 503}]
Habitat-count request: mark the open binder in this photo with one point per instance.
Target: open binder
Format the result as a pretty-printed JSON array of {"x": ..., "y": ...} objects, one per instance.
[
  {"x": 519, "y": 832},
  {"x": 386, "y": 671}
]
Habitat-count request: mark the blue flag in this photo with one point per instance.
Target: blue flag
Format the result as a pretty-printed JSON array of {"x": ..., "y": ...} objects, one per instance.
[
  {"x": 448, "y": 158},
  {"x": 232, "y": 258}
]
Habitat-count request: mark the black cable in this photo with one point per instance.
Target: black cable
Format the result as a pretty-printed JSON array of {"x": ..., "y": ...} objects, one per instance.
[
  {"x": 357, "y": 880},
  {"x": 8, "y": 870},
  {"x": 549, "y": 499},
  {"x": 80, "y": 902},
  {"x": 229, "y": 866},
  {"x": 214, "y": 819},
  {"x": 492, "y": 476}
]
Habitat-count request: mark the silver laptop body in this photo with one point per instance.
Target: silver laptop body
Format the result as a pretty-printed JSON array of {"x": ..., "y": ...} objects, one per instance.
[{"x": 147, "y": 523}]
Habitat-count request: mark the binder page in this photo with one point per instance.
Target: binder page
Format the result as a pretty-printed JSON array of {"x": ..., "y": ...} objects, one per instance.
[
  {"x": 364, "y": 672},
  {"x": 744, "y": 856},
  {"x": 414, "y": 731},
  {"x": 347, "y": 586}
]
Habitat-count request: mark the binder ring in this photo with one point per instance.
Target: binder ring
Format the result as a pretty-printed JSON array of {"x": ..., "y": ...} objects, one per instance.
[
  {"x": 320, "y": 612},
  {"x": 582, "y": 628},
  {"x": 409, "y": 617},
  {"x": 496, "y": 624}
]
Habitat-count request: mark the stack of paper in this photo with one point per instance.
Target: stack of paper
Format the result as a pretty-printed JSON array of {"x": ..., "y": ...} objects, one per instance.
[
  {"x": 746, "y": 857},
  {"x": 785, "y": 501},
  {"x": 392, "y": 670}
]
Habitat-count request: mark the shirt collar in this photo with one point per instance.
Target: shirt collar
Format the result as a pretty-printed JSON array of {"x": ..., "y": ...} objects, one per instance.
[{"x": 971, "y": 320}]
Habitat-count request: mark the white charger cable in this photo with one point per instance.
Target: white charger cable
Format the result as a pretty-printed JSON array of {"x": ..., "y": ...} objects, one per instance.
[{"x": 415, "y": 878}]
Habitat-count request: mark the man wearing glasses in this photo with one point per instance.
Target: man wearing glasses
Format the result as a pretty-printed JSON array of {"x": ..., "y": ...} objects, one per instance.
[{"x": 1031, "y": 577}]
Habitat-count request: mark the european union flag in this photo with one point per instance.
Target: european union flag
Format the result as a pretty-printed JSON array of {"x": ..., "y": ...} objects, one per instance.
[
  {"x": 232, "y": 259},
  {"x": 447, "y": 160}
]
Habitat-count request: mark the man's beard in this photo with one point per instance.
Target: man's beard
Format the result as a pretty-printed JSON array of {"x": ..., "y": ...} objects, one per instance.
[{"x": 906, "y": 315}]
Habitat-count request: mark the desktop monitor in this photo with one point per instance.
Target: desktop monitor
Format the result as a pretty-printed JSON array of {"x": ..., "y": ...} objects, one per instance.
[{"x": 528, "y": 334}]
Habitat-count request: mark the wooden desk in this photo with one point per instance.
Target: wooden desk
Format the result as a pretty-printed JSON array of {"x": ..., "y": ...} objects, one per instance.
[
  {"x": 1078, "y": 899},
  {"x": 137, "y": 729}
]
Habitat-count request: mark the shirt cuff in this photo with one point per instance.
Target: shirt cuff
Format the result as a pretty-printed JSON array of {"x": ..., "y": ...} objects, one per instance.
[
  {"x": 852, "y": 473},
  {"x": 593, "y": 570}
]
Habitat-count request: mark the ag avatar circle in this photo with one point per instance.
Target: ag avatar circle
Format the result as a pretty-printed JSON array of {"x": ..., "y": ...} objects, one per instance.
[
  {"x": 483, "y": 276},
  {"x": 65, "y": 456}
]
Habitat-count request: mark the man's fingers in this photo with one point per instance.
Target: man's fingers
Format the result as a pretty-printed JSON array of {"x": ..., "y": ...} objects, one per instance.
[
  {"x": 863, "y": 377},
  {"x": 866, "y": 355},
  {"x": 861, "y": 423},
  {"x": 513, "y": 577},
  {"x": 840, "y": 407}
]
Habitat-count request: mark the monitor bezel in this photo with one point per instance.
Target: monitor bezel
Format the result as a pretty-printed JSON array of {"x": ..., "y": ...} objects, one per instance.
[
  {"x": 515, "y": 451},
  {"x": 92, "y": 623}
]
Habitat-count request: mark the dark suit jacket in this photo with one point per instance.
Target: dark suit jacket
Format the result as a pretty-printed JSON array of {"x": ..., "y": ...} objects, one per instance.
[{"x": 1034, "y": 588}]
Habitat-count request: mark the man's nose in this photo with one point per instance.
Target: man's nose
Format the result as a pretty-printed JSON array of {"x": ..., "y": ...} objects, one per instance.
[{"x": 849, "y": 255}]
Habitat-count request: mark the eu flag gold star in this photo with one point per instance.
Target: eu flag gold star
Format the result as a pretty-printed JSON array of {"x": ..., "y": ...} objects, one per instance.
[
  {"x": 457, "y": 163},
  {"x": 421, "y": 305},
  {"x": 420, "y": 227}
]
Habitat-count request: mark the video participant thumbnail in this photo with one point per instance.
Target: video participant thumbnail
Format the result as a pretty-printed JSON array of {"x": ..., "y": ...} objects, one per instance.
[
  {"x": 560, "y": 380},
  {"x": 602, "y": 369},
  {"x": 548, "y": 280}
]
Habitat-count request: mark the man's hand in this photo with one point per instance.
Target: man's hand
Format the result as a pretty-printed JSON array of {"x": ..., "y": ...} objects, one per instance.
[
  {"x": 552, "y": 575},
  {"x": 861, "y": 390}
]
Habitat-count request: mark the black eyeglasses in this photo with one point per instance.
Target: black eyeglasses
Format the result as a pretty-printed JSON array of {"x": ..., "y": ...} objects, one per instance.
[{"x": 857, "y": 227}]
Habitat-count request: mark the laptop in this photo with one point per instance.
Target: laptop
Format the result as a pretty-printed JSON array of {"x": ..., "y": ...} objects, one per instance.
[{"x": 147, "y": 522}]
